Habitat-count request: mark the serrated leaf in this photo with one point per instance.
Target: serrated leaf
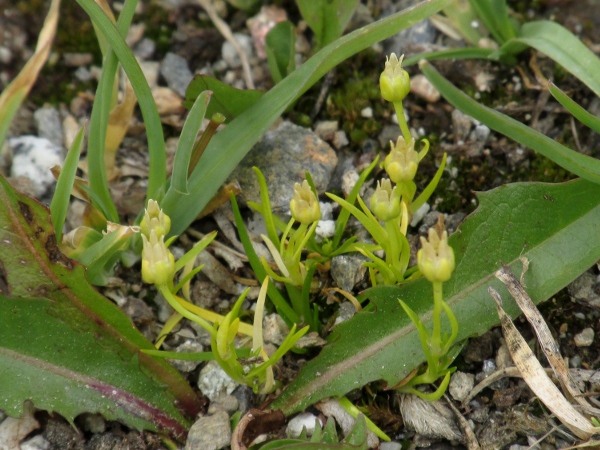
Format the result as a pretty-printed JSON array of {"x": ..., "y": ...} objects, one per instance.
[
  {"x": 66, "y": 347},
  {"x": 554, "y": 226}
]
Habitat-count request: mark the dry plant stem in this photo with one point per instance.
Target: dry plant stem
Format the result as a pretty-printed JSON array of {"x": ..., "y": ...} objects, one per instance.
[
  {"x": 469, "y": 435},
  {"x": 546, "y": 341},
  {"x": 536, "y": 378},
  {"x": 226, "y": 32}
]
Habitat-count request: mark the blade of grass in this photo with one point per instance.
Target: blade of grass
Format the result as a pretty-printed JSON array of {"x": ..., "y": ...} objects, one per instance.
[
  {"x": 156, "y": 144},
  {"x": 589, "y": 120},
  {"x": 581, "y": 165},
  {"x": 228, "y": 147},
  {"x": 64, "y": 184},
  {"x": 185, "y": 145}
]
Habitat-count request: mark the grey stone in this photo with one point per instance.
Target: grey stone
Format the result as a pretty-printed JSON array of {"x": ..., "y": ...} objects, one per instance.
[
  {"x": 583, "y": 289},
  {"x": 347, "y": 270},
  {"x": 188, "y": 346},
  {"x": 585, "y": 338},
  {"x": 32, "y": 158},
  {"x": 48, "y": 123},
  {"x": 213, "y": 381},
  {"x": 460, "y": 385},
  {"x": 390, "y": 446},
  {"x": 415, "y": 38},
  {"x": 145, "y": 48},
  {"x": 227, "y": 403},
  {"x": 230, "y": 54},
  {"x": 176, "y": 73},
  {"x": 275, "y": 330},
  {"x": 210, "y": 433},
  {"x": 284, "y": 155}
]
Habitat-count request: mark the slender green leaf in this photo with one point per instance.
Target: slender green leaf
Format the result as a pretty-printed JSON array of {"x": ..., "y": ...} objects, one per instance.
[
  {"x": 494, "y": 15},
  {"x": 228, "y": 147},
  {"x": 226, "y": 100},
  {"x": 64, "y": 184},
  {"x": 586, "y": 118},
  {"x": 81, "y": 353},
  {"x": 562, "y": 46},
  {"x": 156, "y": 144},
  {"x": 280, "y": 46},
  {"x": 454, "y": 53},
  {"x": 185, "y": 145},
  {"x": 581, "y": 165},
  {"x": 554, "y": 226}
]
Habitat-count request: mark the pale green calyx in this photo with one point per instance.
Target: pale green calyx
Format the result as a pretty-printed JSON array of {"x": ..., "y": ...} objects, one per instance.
[
  {"x": 304, "y": 205},
  {"x": 385, "y": 203},
  {"x": 402, "y": 162},
  {"x": 436, "y": 258},
  {"x": 394, "y": 81},
  {"x": 158, "y": 263},
  {"x": 155, "y": 219}
]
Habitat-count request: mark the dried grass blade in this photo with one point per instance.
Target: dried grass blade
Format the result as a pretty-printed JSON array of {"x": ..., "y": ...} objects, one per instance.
[
  {"x": 535, "y": 376},
  {"x": 547, "y": 342}
]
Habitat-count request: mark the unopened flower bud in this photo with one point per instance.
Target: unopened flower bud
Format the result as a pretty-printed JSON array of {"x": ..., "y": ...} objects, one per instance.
[
  {"x": 305, "y": 205},
  {"x": 394, "y": 81},
  {"x": 385, "y": 203},
  {"x": 436, "y": 258},
  {"x": 158, "y": 263},
  {"x": 402, "y": 162},
  {"x": 155, "y": 219}
]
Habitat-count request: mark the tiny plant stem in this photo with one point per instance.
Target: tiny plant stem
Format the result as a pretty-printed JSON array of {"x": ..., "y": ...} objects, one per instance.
[
  {"x": 436, "y": 337},
  {"x": 402, "y": 122},
  {"x": 393, "y": 251},
  {"x": 164, "y": 290}
]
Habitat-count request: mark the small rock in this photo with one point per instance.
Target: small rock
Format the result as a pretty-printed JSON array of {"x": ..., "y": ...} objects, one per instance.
[
  {"x": 213, "y": 381},
  {"x": 461, "y": 124},
  {"x": 480, "y": 133},
  {"x": 93, "y": 423},
  {"x": 325, "y": 229},
  {"x": 583, "y": 289},
  {"x": 176, "y": 72},
  {"x": 188, "y": 346},
  {"x": 262, "y": 23},
  {"x": 346, "y": 311},
  {"x": 275, "y": 330},
  {"x": 461, "y": 385},
  {"x": 48, "y": 123},
  {"x": 227, "y": 403},
  {"x": 284, "y": 155},
  {"x": 6, "y": 55},
  {"x": 300, "y": 422},
  {"x": 150, "y": 70},
  {"x": 430, "y": 419},
  {"x": 340, "y": 139},
  {"x": 230, "y": 54},
  {"x": 585, "y": 338},
  {"x": 35, "y": 443},
  {"x": 325, "y": 129},
  {"x": 83, "y": 74},
  {"x": 412, "y": 40},
  {"x": 419, "y": 214},
  {"x": 349, "y": 180},
  {"x": 348, "y": 270},
  {"x": 72, "y": 59},
  {"x": 218, "y": 273},
  {"x": 145, "y": 48},
  {"x": 367, "y": 112},
  {"x": 503, "y": 358},
  {"x": 32, "y": 158},
  {"x": 210, "y": 433},
  {"x": 390, "y": 446},
  {"x": 575, "y": 362},
  {"x": 167, "y": 101},
  {"x": 421, "y": 86}
]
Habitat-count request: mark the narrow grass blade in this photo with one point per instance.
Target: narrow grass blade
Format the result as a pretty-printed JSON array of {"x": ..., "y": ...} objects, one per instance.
[
  {"x": 62, "y": 193},
  {"x": 156, "y": 144},
  {"x": 188, "y": 136},
  {"x": 589, "y": 120},
  {"x": 581, "y": 165}
]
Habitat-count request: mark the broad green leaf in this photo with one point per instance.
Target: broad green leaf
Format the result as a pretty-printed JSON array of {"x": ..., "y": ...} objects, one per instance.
[
  {"x": 229, "y": 146},
  {"x": 562, "y": 46},
  {"x": 554, "y": 226},
  {"x": 66, "y": 347},
  {"x": 577, "y": 163},
  {"x": 226, "y": 100},
  {"x": 280, "y": 46},
  {"x": 586, "y": 118},
  {"x": 326, "y": 18}
]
